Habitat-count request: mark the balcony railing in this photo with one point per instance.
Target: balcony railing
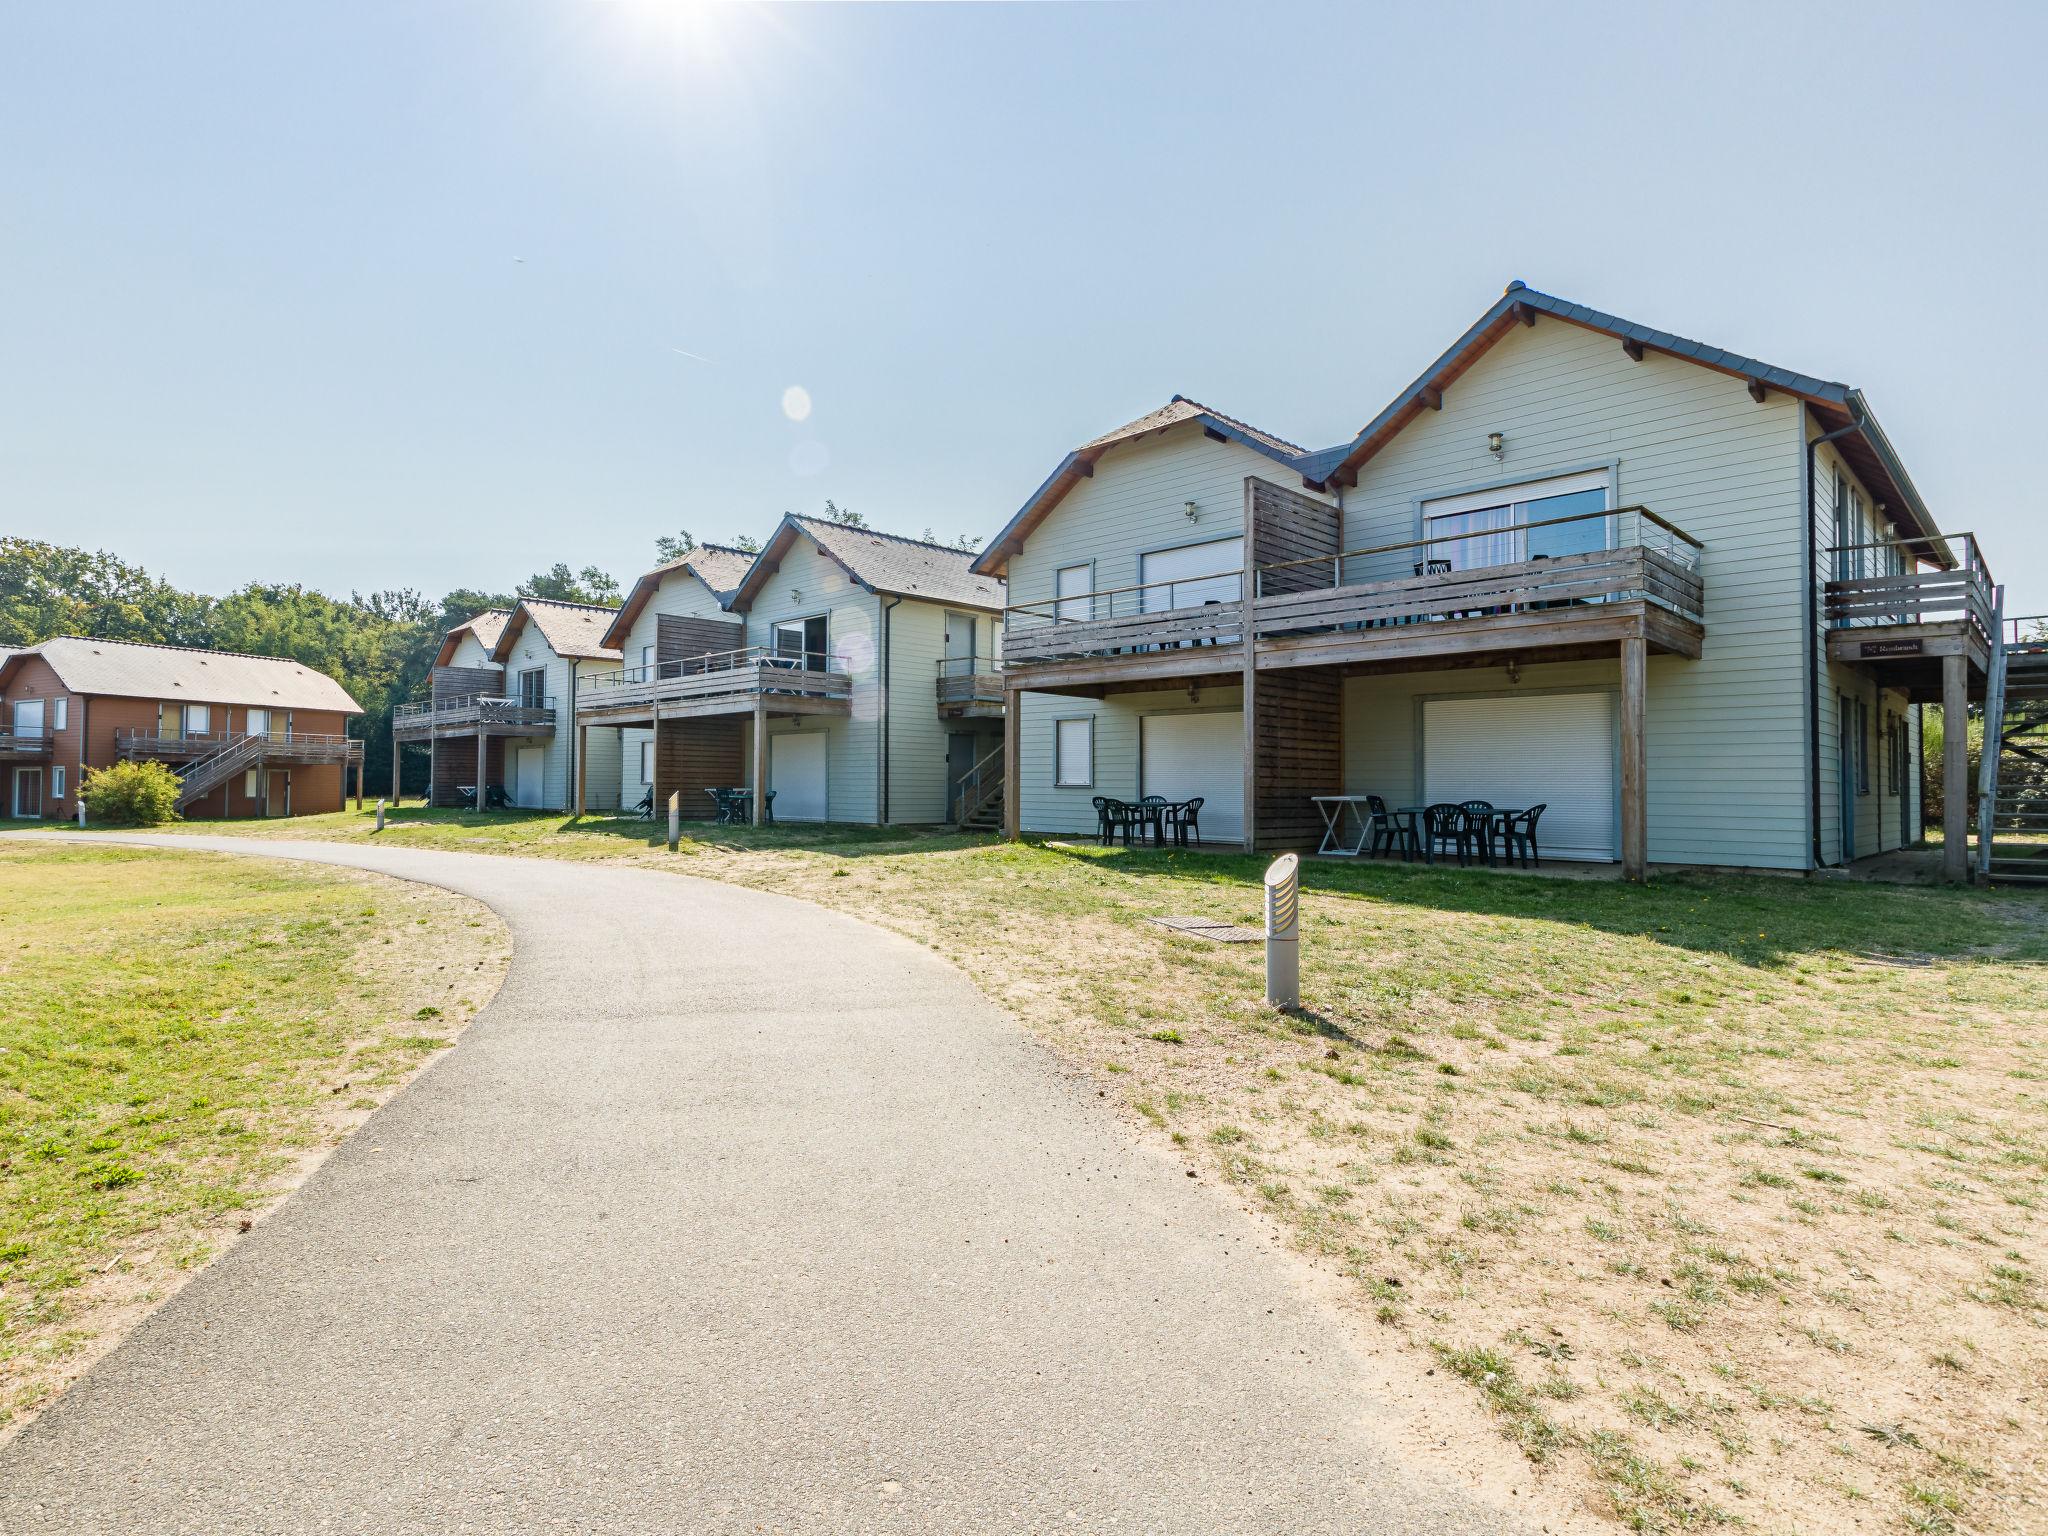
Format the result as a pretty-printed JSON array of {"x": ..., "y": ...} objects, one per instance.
[
  {"x": 477, "y": 711},
  {"x": 296, "y": 746},
  {"x": 969, "y": 681},
  {"x": 25, "y": 743},
  {"x": 1910, "y": 581},
  {"x": 1483, "y": 575},
  {"x": 730, "y": 676}
]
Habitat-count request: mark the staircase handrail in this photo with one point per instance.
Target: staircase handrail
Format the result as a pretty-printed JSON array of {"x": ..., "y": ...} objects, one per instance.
[{"x": 984, "y": 785}]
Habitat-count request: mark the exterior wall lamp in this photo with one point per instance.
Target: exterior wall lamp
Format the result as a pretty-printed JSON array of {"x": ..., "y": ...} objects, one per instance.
[
  {"x": 1497, "y": 445},
  {"x": 1194, "y": 513}
]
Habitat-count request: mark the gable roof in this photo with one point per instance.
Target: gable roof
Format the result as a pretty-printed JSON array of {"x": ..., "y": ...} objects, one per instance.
[
  {"x": 128, "y": 669},
  {"x": 1835, "y": 405},
  {"x": 486, "y": 626},
  {"x": 719, "y": 566},
  {"x": 887, "y": 563},
  {"x": 574, "y": 630},
  {"x": 1080, "y": 464}
]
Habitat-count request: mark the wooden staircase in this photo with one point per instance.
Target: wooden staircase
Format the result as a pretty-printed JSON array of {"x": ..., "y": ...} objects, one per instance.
[
  {"x": 977, "y": 798},
  {"x": 216, "y": 768},
  {"x": 2012, "y": 783}
]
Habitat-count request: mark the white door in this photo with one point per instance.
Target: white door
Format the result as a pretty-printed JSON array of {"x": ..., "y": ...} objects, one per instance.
[
  {"x": 796, "y": 772},
  {"x": 1193, "y": 574},
  {"x": 1182, "y": 756},
  {"x": 1550, "y": 749},
  {"x": 527, "y": 790}
]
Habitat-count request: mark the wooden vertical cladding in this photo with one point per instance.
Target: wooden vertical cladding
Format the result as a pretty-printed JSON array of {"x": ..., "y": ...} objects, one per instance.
[
  {"x": 1297, "y": 726},
  {"x": 1286, "y": 525},
  {"x": 455, "y": 764},
  {"x": 1955, "y": 767},
  {"x": 680, "y": 637},
  {"x": 452, "y": 683},
  {"x": 695, "y": 757},
  {"x": 1635, "y": 816}
]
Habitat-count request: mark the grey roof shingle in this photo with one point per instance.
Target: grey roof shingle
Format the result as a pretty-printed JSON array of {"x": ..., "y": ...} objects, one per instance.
[
  {"x": 131, "y": 670},
  {"x": 1179, "y": 409},
  {"x": 574, "y": 630},
  {"x": 902, "y": 567}
]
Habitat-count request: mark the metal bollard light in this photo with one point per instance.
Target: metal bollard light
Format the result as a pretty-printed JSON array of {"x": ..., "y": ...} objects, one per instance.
[
  {"x": 380, "y": 815},
  {"x": 1283, "y": 932},
  {"x": 81, "y": 813},
  {"x": 675, "y": 821}
]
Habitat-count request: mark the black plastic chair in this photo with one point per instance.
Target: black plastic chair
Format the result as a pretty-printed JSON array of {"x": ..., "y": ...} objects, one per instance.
[
  {"x": 1385, "y": 833},
  {"x": 1104, "y": 822},
  {"x": 1479, "y": 823},
  {"x": 645, "y": 809},
  {"x": 1446, "y": 827},
  {"x": 1186, "y": 821},
  {"x": 1518, "y": 836}
]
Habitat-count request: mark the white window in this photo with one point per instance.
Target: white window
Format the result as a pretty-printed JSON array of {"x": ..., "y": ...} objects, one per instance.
[
  {"x": 196, "y": 718},
  {"x": 1493, "y": 527},
  {"x": 60, "y": 713},
  {"x": 646, "y": 762},
  {"x": 646, "y": 672},
  {"x": 1074, "y": 751},
  {"x": 1070, "y": 585},
  {"x": 257, "y": 723},
  {"x": 57, "y": 782},
  {"x": 28, "y": 717}
]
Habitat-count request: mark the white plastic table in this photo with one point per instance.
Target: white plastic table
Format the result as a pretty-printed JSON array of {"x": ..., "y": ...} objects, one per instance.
[{"x": 1333, "y": 808}]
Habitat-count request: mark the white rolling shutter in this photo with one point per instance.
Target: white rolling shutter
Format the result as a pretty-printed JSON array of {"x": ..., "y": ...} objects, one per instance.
[
  {"x": 1552, "y": 749},
  {"x": 796, "y": 772},
  {"x": 1197, "y": 573},
  {"x": 1189, "y": 755}
]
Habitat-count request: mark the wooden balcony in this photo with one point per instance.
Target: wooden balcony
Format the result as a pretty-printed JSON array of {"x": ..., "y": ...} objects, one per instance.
[
  {"x": 1313, "y": 612},
  {"x": 1898, "y": 609},
  {"x": 295, "y": 747},
  {"x": 724, "y": 683},
  {"x": 970, "y": 688},
  {"x": 16, "y": 747},
  {"x": 490, "y": 715}
]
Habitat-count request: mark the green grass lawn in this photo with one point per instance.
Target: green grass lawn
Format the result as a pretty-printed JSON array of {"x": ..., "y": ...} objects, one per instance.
[
  {"x": 180, "y": 1035},
  {"x": 1723, "y": 1194}
]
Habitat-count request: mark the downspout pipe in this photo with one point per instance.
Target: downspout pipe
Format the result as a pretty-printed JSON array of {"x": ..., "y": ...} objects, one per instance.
[
  {"x": 882, "y": 787},
  {"x": 1814, "y": 639}
]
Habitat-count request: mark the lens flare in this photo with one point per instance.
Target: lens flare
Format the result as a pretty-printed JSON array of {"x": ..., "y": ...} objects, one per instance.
[{"x": 796, "y": 403}]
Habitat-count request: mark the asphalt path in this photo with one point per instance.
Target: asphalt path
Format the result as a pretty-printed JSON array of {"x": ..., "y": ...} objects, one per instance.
[{"x": 729, "y": 1213}]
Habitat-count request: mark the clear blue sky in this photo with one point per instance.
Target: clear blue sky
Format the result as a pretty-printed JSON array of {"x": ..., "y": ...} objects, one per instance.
[{"x": 405, "y": 294}]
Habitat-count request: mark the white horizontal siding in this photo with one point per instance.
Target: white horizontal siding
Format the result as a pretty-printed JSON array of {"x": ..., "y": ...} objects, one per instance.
[
  {"x": 1726, "y": 733},
  {"x": 1047, "y": 807}
]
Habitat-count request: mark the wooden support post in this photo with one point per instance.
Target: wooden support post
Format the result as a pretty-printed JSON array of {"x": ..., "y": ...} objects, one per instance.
[
  {"x": 1635, "y": 819},
  {"x": 394, "y": 768},
  {"x": 483, "y": 762},
  {"x": 582, "y": 758},
  {"x": 654, "y": 778},
  {"x": 359, "y": 780},
  {"x": 1247, "y": 589},
  {"x": 760, "y": 757},
  {"x": 1013, "y": 754},
  {"x": 1955, "y": 768}
]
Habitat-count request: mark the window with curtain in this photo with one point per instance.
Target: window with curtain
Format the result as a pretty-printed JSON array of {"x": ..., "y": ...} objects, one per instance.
[{"x": 1523, "y": 525}]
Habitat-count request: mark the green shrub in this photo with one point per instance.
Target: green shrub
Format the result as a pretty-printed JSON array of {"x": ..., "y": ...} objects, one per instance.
[{"x": 130, "y": 794}]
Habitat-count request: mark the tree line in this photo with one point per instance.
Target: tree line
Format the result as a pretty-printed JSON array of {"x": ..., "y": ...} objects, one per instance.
[{"x": 380, "y": 646}]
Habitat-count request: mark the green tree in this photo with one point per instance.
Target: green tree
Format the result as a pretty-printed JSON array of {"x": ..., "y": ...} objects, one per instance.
[
  {"x": 562, "y": 585},
  {"x": 673, "y": 546},
  {"x": 47, "y": 589}
]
